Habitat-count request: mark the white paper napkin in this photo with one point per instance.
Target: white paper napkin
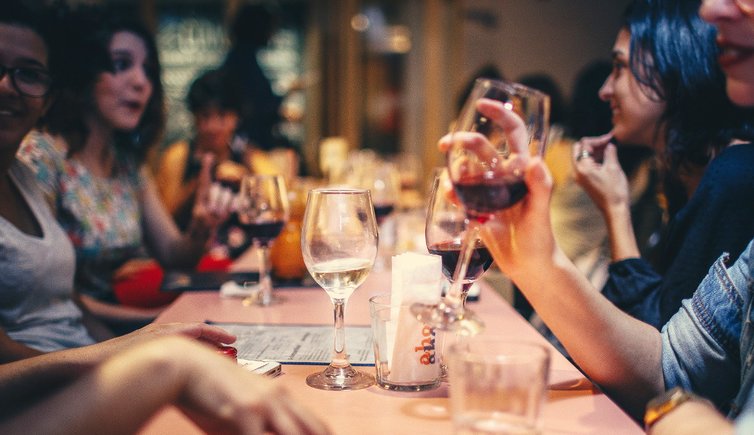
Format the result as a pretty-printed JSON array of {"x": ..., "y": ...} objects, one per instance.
[
  {"x": 231, "y": 289},
  {"x": 411, "y": 352}
]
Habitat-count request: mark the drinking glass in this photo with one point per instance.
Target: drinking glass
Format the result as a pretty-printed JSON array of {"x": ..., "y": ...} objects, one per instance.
[
  {"x": 384, "y": 184},
  {"x": 262, "y": 212},
  {"x": 445, "y": 230},
  {"x": 497, "y": 385},
  {"x": 339, "y": 243},
  {"x": 487, "y": 172}
]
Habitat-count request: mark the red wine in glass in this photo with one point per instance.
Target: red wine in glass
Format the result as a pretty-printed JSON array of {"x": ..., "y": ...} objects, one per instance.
[
  {"x": 382, "y": 211},
  {"x": 449, "y": 252},
  {"x": 482, "y": 197},
  {"x": 262, "y": 232}
]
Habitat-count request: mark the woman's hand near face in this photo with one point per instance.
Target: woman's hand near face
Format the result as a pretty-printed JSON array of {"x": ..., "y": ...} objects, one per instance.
[{"x": 598, "y": 171}]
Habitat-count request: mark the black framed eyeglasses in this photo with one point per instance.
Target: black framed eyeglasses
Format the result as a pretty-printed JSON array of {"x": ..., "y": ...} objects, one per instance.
[{"x": 31, "y": 82}]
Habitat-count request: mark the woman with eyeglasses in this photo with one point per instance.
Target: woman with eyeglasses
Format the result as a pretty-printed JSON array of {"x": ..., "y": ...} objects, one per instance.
[
  {"x": 37, "y": 311},
  {"x": 90, "y": 160},
  {"x": 706, "y": 349}
]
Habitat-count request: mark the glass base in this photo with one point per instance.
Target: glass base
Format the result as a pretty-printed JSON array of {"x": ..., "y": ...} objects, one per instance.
[
  {"x": 394, "y": 386},
  {"x": 256, "y": 299},
  {"x": 340, "y": 379},
  {"x": 442, "y": 316}
]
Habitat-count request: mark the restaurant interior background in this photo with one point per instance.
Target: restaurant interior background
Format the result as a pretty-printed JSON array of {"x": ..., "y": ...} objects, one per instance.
[{"x": 383, "y": 74}]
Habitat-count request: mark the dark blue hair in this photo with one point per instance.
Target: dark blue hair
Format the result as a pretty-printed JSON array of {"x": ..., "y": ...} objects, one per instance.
[{"x": 674, "y": 58}]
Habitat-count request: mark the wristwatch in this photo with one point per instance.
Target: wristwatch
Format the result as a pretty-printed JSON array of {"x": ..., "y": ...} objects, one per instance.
[{"x": 664, "y": 403}]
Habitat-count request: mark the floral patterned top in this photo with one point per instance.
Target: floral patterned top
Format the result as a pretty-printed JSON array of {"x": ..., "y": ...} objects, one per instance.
[{"x": 102, "y": 216}]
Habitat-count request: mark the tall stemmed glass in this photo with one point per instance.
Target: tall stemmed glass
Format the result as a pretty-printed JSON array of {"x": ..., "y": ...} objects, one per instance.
[
  {"x": 445, "y": 231},
  {"x": 384, "y": 184},
  {"x": 262, "y": 212},
  {"x": 339, "y": 243},
  {"x": 487, "y": 170}
]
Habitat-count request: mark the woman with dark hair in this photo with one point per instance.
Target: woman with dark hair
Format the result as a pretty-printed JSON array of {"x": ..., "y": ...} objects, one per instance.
[
  {"x": 667, "y": 91},
  {"x": 90, "y": 162},
  {"x": 579, "y": 226},
  {"x": 215, "y": 105}
]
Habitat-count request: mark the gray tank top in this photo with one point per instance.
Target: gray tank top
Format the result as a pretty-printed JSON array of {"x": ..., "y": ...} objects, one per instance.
[{"x": 36, "y": 277}]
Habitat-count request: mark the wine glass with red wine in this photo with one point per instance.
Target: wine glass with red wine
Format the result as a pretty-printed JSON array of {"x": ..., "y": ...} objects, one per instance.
[
  {"x": 384, "y": 184},
  {"x": 445, "y": 232},
  {"x": 262, "y": 212},
  {"x": 501, "y": 127}
]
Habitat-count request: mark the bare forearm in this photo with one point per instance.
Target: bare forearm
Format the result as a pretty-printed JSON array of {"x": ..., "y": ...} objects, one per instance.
[
  {"x": 171, "y": 247},
  {"x": 23, "y": 382},
  {"x": 621, "y": 232},
  {"x": 617, "y": 351},
  {"x": 88, "y": 405}
]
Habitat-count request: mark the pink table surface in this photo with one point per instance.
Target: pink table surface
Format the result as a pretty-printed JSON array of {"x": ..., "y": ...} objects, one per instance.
[{"x": 573, "y": 406}]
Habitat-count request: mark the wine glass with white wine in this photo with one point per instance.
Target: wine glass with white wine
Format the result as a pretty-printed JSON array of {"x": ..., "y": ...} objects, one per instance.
[{"x": 339, "y": 243}]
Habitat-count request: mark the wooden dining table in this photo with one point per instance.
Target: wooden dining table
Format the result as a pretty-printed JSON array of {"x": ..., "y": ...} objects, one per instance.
[{"x": 573, "y": 404}]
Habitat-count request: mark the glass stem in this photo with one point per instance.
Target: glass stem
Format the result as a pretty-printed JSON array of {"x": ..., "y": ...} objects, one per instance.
[
  {"x": 456, "y": 295},
  {"x": 265, "y": 282},
  {"x": 465, "y": 292},
  {"x": 340, "y": 359}
]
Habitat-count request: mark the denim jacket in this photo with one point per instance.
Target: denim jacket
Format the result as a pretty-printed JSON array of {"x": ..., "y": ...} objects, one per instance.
[{"x": 708, "y": 346}]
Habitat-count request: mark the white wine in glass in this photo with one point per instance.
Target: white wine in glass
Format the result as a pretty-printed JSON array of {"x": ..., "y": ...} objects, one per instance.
[{"x": 339, "y": 244}]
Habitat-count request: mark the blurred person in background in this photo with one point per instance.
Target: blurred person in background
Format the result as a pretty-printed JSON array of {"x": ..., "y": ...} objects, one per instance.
[
  {"x": 215, "y": 104},
  {"x": 558, "y": 107},
  {"x": 89, "y": 160},
  {"x": 250, "y": 32}
]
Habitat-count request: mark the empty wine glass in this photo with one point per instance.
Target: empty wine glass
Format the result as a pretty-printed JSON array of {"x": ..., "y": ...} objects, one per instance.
[
  {"x": 262, "y": 211},
  {"x": 487, "y": 158},
  {"x": 339, "y": 243}
]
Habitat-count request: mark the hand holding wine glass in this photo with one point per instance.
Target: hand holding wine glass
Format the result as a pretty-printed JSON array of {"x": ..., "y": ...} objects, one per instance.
[
  {"x": 501, "y": 126},
  {"x": 339, "y": 243},
  {"x": 262, "y": 212}
]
